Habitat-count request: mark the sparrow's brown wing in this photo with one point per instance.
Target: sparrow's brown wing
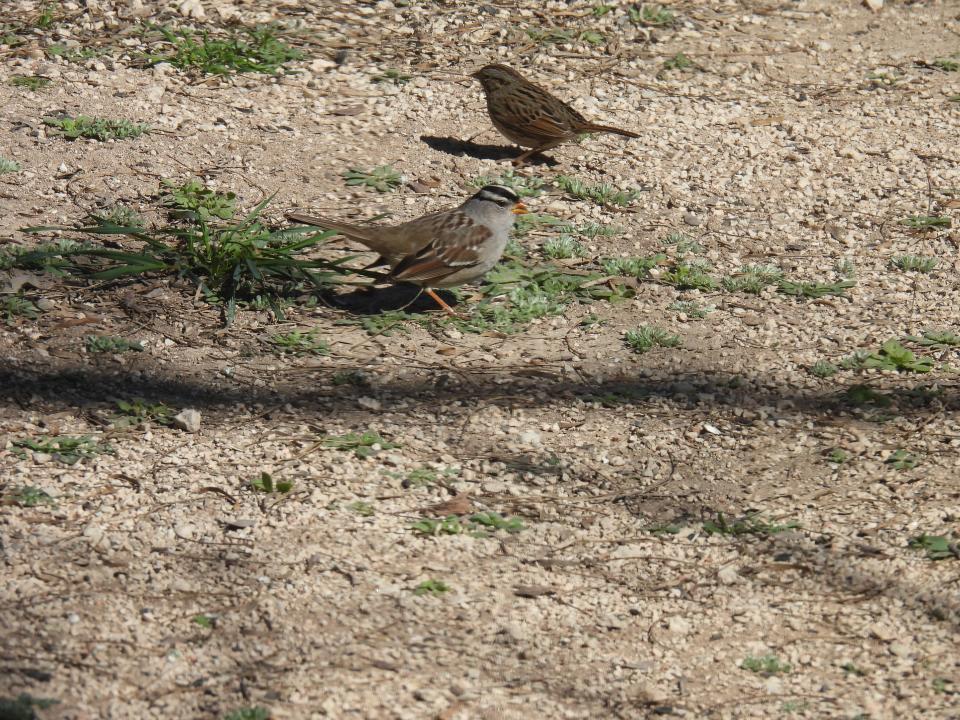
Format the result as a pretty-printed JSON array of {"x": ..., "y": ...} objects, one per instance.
[
  {"x": 533, "y": 109},
  {"x": 454, "y": 242}
]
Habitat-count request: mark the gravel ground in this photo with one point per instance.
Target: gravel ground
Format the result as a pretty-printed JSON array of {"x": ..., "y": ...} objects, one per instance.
[{"x": 160, "y": 584}]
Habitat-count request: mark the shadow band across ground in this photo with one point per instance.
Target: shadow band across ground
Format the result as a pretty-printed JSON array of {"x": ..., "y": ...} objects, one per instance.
[{"x": 73, "y": 384}]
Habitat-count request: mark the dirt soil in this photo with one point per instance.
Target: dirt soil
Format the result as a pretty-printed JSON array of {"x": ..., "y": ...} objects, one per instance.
[{"x": 689, "y": 546}]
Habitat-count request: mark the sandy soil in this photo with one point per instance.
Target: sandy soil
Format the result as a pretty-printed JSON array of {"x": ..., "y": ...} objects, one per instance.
[{"x": 160, "y": 584}]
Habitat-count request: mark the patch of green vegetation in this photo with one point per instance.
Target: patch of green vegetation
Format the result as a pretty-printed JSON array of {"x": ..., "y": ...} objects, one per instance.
[
  {"x": 33, "y": 83},
  {"x": 838, "y": 456},
  {"x": 47, "y": 257},
  {"x": 678, "y": 62},
  {"x": 63, "y": 448},
  {"x": 258, "y": 50},
  {"x": 118, "y": 216},
  {"x": 683, "y": 243},
  {"x": 563, "y": 247},
  {"x": 815, "y": 289},
  {"x": 392, "y": 75},
  {"x": 265, "y": 483},
  {"x": 13, "y": 306},
  {"x": 431, "y": 587},
  {"x": 363, "y": 445},
  {"x": 946, "y": 64},
  {"x": 749, "y": 524},
  {"x": 915, "y": 263},
  {"x": 194, "y": 201},
  {"x": 229, "y": 262},
  {"x": 96, "y": 128},
  {"x": 24, "y": 707},
  {"x": 901, "y": 459},
  {"x": 137, "y": 412},
  {"x": 560, "y": 35},
  {"x": 650, "y": 14},
  {"x": 638, "y": 267},
  {"x": 753, "y": 278},
  {"x": 205, "y": 621},
  {"x": 248, "y": 713},
  {"x": 26, "y": 496},
  {"x": 362, "y": 508},
  {"x": 845, "y": 268},
  {"x": 600, "y": 9},
  {"x": 927, "y": 222},
  {"x": 823, "y": 369},
  {"x": 516, "y": 294},
  {"x": 300, "y": 343},
  {"x": 46, "y": 17},
  {"x": 603, "y": 194},
  {"x": 522, "y": 185},
  {"x": 944, "y": 686},
  {"x": 880, "y": 78},
  {"x": 936, "y": 339},
  {"x": 863, "y": 395},
  {"x": 647, "y": 337},
  {"x": 851, "y": 669},
  {"x": 892, "y": 357},
  {"x": 525, "y": 224},
  {"x": 767, "y": 665},
  {"x": 111, "y": 344},
  {"x": 688, "y": 276},
  {"x": 937, "y": 547},
  {"x": 8, "y": 166},
  {"x": 591, "y": 230},
  {"x": 386, "y": 323},
  {"x": 792, "y": 706},
  {"x": 591, "y": 37},
  {"x": 382, "y": 178},
  {"x": 478, "y": 525},
  {"x": 72, "y": 53},
  {"x": 425, "y": 476},
  {"x": 691, "y": 309}
]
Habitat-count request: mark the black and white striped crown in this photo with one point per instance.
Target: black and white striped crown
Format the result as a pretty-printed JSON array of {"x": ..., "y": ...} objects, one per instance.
[{"x": 500, "y": 194}]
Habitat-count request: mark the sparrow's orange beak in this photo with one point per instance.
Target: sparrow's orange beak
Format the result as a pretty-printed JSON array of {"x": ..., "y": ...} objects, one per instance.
[{"x": 520, "y": 209}]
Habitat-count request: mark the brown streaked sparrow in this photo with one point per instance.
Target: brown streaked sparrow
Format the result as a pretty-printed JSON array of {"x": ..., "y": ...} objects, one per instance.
[{"x": 529, "y": 115}]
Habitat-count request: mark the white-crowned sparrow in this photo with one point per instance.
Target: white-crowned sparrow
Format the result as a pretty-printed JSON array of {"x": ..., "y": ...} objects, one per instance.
[
  {"x": 529, "y": 115},
  {"x": 440, "y": 250}
]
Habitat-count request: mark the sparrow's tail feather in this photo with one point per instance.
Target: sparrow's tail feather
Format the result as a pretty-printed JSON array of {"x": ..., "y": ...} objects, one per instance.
[
  {"x": 591, "y": 128},
  {"x": 353, "y": 232}
]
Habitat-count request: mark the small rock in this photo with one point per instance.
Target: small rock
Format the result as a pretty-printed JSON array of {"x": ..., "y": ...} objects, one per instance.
[
  {"x": 647, "y": 694},
  {"x": 154, "y": 92},
  {"x": 692, "y": 219},
  {"x": 192, "y": 9},
  {"x": 678, "y": 626},
  {"x": 728, "y": 575},
  {"x": 613, "y": 622},
  {"x": 187, "y": 420},
  {"x": 900, "y": 649},
  {"x": 534, "y": 591},
  {"x": 773, "y": 685},
  {"x": 530, "y": 437},
  {"x": 369, "y": 403},
  {"x": 882, "y": 631},
  {"x": 239, "y": 523}
]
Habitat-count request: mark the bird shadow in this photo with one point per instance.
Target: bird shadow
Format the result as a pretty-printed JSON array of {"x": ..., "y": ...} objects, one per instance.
[
  {"x": 455, "y": 146},
  {"x": 375, "y": 301}
]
